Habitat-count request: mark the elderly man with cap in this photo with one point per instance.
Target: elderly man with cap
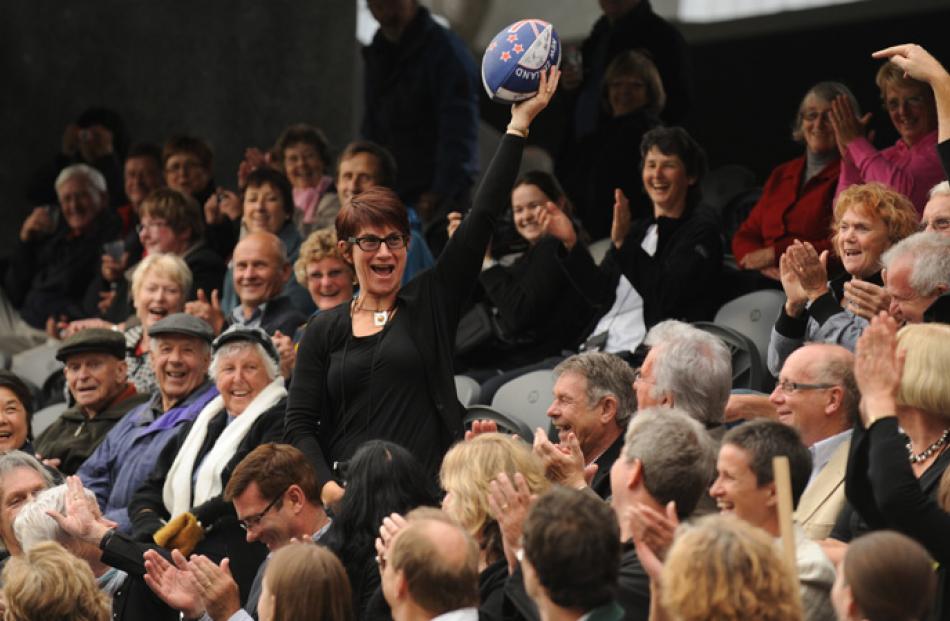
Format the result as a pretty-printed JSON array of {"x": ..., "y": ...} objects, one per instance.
[
  {"x": 95, "y": 372},
  {"x": 182, "y": 503},
  {"x": 181, "y": 354}
]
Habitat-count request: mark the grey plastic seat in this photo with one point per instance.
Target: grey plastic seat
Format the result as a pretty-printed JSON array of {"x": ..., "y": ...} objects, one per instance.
[
  {"x": 748, "y": 367},
  {"x": 598, "y": 249},
  {"x": 467, "y": 389},
  {"x": 528, "y": 398},
  {"x": 506, "y": 422},
  {"x": 753, "y": 314}
]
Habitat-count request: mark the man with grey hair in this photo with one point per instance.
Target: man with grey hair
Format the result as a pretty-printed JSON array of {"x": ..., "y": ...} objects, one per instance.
[
  {"x": 936, "y": 216},
  {"x": 817, "y": 395},
  {"x": 593, "y": 401},
  {"x": 180, "y": 355},
  {"x": 686, "y": 368},
  {"x": 21, "y": 477},
  {"x": 56, "y": 258},
  {"x": 68, "y": 514},
  {"x": 917, "y": 278},
  {"x": 665, "y": 467}
]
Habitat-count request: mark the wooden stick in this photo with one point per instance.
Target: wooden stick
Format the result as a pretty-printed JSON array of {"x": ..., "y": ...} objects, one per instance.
[{"x": 783, "y": 487}]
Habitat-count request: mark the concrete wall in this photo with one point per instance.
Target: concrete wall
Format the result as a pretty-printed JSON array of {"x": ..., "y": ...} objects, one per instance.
[{"x": 233, "y": 71}]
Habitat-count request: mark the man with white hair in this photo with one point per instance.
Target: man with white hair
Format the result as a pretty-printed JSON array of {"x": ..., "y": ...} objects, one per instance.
[
  {"x": 686, "y": 368},
  {"x": 936, "y": 216},
  {"x": 56, "y": 257},
  {"x": 68, "y": 514},
  {"x": 917, "y": 277}
]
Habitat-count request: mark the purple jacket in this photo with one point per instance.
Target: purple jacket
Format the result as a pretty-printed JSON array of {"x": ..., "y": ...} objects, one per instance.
[{"x": 128, "y": 454}]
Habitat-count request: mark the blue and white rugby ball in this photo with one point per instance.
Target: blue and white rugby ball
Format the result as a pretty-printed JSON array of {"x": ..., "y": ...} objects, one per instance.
[{"x": 515, "y": 58}]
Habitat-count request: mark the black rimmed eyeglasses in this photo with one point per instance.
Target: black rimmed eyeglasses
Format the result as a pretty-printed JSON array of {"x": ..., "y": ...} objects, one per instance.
[
  {"x": 370, "y": 243},
  {"x": 252, "y": 521}
]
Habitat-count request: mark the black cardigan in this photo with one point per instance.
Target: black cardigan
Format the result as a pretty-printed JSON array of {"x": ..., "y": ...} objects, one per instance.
[
  {"x": 432, "y": 301},
  {"x": 883, "y": 490}
]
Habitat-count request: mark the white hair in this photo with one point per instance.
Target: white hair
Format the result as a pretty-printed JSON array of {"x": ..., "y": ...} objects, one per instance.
[
  {"x": 272, "y": 368},
  {"x": 929, "y": 253},
  {"x": 16, "y": 460},
  {"x": 693, "y": 367},
  {"x": 941, "y": 189},
  {"x": 92, "y": 176},
  {"x": 33, "y": 525}
]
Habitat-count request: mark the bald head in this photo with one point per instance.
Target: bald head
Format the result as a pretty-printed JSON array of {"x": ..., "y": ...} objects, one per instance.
[
  {"x": 820, "y": 397},
  {"x": 260, "y": 269},
  {"x": 434, "y": 563}
]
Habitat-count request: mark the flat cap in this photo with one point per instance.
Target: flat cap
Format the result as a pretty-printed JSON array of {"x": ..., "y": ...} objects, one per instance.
[
  {"x": 93, "y": 340},
  {"x": 243, "y": 333},
  {"x": 183, "y": 324}
]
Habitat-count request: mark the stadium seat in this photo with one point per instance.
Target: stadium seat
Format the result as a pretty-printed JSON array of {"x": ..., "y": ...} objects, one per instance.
[
  {"x": 527, "y": 398},
  {"x": 753, "y": 315},
  {"x": 748, "y": 367},
  {"x": 467, "y": 389},
  {"x": 506, "y": 423}
]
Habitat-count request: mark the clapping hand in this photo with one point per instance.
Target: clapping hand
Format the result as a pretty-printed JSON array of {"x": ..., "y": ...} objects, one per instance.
[
  {"x": 846, "y": 124},
  {"x": 210, "y": 311},
  {"x": 173, "y": 583},
  {"x": 509, "y": 502},
  {"x": 878, "y": 367},
  {"x": 865, "y": 299},
  {"x": 621, "y": 222},
  {"x": 555, "y": 223}
]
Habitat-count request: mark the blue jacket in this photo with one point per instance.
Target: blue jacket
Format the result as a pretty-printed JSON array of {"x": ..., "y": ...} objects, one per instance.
[{"x": 129, "y": 452}]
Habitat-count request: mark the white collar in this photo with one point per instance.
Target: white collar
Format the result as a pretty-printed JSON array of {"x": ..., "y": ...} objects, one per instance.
[
  {"x": 822, "y": 450},
  {"x": 462, "y": 614}
]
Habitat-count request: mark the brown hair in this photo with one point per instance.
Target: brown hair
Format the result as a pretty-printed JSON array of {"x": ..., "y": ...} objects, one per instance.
[
  {"x": 639, "y": 65},
  {"x": 725, "y": 569},
  {"x": 47, "y": 582},
  {"x": 891, "y": 576},
  {"x": 878, "y": 201},
  {"x": 308, "y": 582},
  {"x": 274, "y": 467},
  {"x": 190, "y": 145},
  {"x": 384, "y": 159},
  {"x": 439, "y": 581},
  {"x": 179, "y": 211},
  {"x": 889, "y": 74},
  {"x": 378, "y": 206},
  {"x": 302, "y": 133}
]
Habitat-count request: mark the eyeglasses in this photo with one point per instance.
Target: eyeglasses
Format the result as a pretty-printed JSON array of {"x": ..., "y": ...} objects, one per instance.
[
  {"x": 793, "y": 387},
  {"x": 814, "y": 115},
  {"x": 938, "y": 224},
  {"x": 253, "y": 521},
  {"x": 182, "y": 167},
  {"x": 370, "y": 243}
]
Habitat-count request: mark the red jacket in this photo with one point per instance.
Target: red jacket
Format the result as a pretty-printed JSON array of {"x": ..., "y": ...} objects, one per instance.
[{"x": 786, "y": 212}]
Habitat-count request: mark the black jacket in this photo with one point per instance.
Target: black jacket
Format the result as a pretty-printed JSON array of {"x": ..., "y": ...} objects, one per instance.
[
  {"x": 433, "y": 302},
  {"x": 134, "y": 601},
  {"x": 48, "y": 277},
  {"x": 280, "y": 314}
]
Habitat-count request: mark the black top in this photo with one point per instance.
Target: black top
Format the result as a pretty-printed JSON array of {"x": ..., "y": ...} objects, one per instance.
[
  {"x": 134, "y": 600},
  {"x": 540, "y": 309},
  {"x": 943, "y": 150},
  {"x": 885, "y": 494},
  {"x": 430, "y": 305},
  {"x": 633, "y": 585},
  {"x": 366, "y": 381}
]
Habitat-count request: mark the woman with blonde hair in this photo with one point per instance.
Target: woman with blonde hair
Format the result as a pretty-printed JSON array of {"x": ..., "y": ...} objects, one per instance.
[
  {"x": 467, "y": 472},
  {"x": 323, "y": 271},
  {"x": 868, "y": 219},
  {"x": 911, "y": 166},
  {"x": 725, "y": 569},
  {"x": 899, "y": 447},
  {"x": 47, "y": 583},
  {"x": 305, "y": 581}
]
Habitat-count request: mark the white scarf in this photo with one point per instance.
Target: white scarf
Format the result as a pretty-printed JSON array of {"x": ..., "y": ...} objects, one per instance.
[{"x": 177, "y": 491}]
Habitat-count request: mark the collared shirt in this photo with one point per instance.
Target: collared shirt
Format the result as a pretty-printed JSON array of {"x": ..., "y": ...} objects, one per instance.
[
  {"x": 822, "y": 451},
  {"x": 237, "y": 316},
  {"x": 462, "y": 614}
]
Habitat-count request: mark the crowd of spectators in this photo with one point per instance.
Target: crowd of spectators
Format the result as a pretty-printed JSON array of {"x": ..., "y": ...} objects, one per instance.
[{"x": 262, "y": 418}]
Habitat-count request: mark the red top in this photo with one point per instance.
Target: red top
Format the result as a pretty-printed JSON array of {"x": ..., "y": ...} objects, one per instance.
[{"x": 786, "y": 211}]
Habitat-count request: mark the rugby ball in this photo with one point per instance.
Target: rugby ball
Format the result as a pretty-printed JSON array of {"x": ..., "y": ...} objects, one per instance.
[{"x": 513, "y": 61}]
